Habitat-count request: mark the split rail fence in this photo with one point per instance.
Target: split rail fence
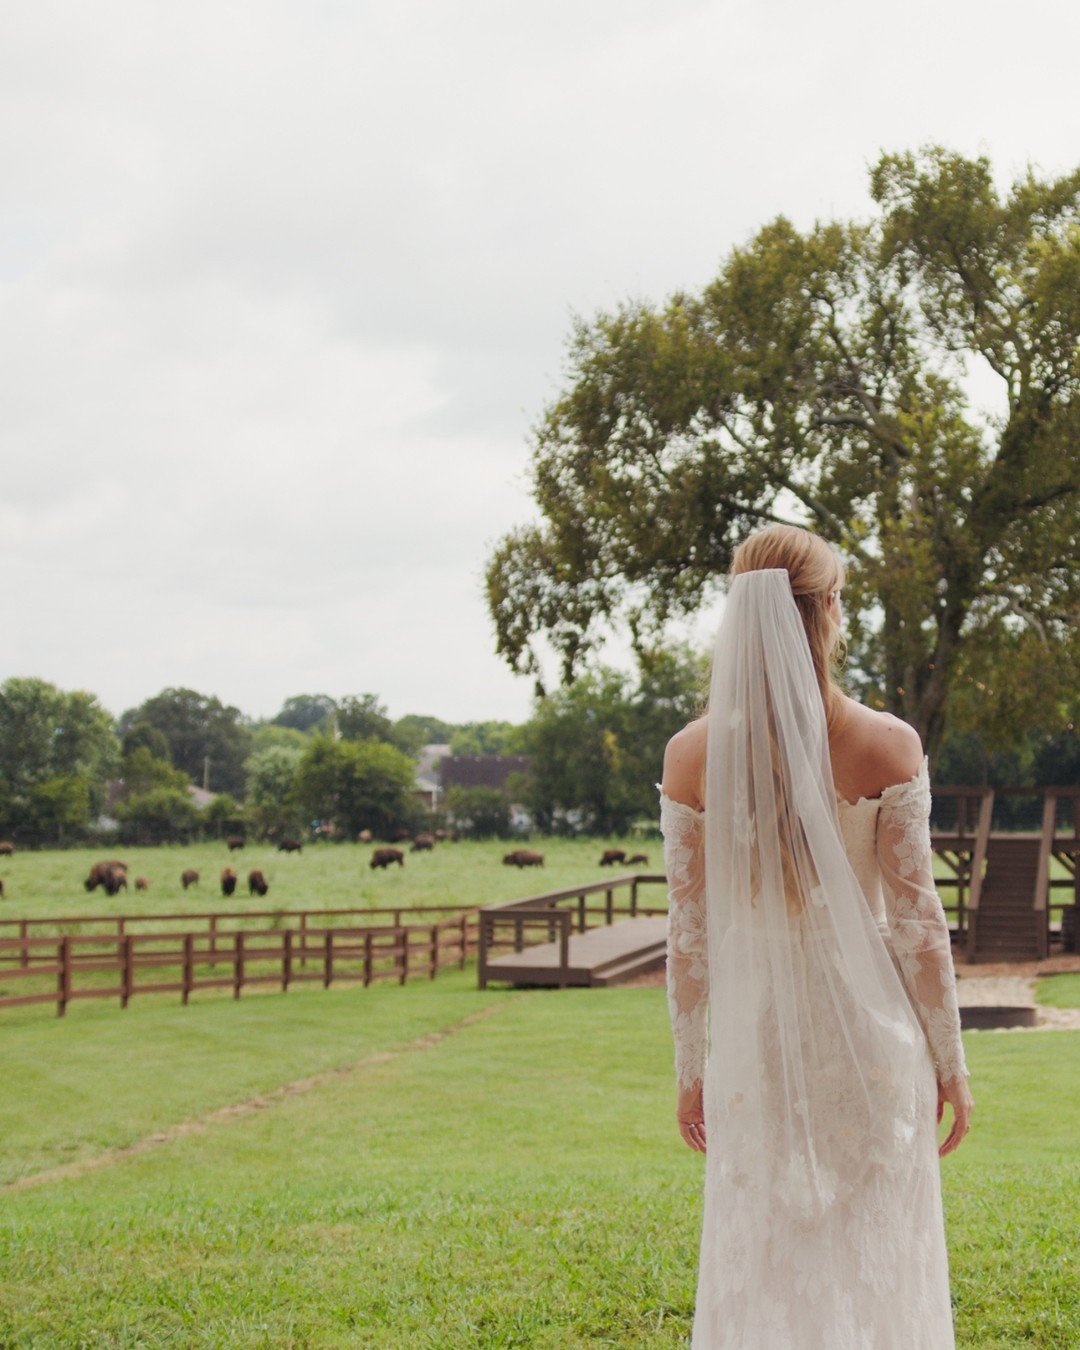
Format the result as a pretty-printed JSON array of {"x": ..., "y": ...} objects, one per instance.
[{"x": 125, "y": 955}]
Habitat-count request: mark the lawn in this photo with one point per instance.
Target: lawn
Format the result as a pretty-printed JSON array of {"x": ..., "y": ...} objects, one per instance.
[
  {"x": 510, "y": 1180},
  {"x": 49, "y": 882}
]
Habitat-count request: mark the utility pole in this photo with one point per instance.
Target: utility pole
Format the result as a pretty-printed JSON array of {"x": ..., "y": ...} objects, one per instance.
[{"x": 206, "y": 773}]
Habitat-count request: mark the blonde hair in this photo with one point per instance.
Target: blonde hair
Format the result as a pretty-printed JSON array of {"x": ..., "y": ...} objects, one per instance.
[{"x": 814, "y": 571}]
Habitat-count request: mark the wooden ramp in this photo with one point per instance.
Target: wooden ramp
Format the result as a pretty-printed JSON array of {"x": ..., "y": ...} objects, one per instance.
[
  {"x": 1008, "y": 923},
  {"x": 599, "y": 956}
]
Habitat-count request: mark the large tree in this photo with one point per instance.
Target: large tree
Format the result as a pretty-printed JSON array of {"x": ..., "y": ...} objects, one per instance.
[
  {"x": 206, "y": 738},
  {"x": 57, "y": 750},
  {"x": 826, "y": 378}
]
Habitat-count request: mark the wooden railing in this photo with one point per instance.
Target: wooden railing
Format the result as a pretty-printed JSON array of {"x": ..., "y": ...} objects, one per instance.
[
  {"x": 508, "y": 924},
  {"x": 64, "y": 967}
]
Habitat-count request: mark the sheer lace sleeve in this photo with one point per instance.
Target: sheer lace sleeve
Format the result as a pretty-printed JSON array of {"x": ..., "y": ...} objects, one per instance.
[
  {"x": 687, "y": 937},
  {"x": 917, "y": 924}
]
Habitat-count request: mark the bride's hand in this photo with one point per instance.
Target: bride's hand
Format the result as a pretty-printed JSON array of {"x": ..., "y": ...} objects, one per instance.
[
  {"x": 691, "y": 1116},
  {"x": 956, "y": 1092}
]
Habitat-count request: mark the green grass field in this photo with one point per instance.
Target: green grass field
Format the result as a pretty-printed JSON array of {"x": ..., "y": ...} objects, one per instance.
[
  {"x": 510, "y": 1180},
  {"x": 49, "y": 882}
]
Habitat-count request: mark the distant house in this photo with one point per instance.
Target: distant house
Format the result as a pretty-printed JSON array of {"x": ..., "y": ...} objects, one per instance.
[
  {"x": 426, "y": 785},
  {"x": 200, "y": 796}
]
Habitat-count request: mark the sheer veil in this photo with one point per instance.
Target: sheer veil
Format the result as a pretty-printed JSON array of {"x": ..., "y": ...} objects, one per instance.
[{"x": 799, "y": 1106}]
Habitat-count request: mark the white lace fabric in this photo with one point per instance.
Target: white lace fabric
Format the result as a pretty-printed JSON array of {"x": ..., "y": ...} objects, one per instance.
[
  {"x": 687, "y": 938},
  {"x": 917, "y": 923}
]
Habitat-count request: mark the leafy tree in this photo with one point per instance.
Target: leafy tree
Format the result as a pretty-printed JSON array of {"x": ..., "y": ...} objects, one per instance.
[
  {"x": 822, "y": 378},
  {"x": 57, "y": 750},
  {"x": 363, "y": 718},
  {"x": 200, "y": 730},
  {"x": 142, "y": 771},
  {"x": 479, "y": 812},
  {"x": 418, "y": 729},
  {"x": 271, "y": 789},
  {"x": 483, "y": 738},
  {"x": 143, "y": 736},
  {"x": 356, "y": 784},
  {"x": 223, "y": 815},
  {"x": 306, "y": 712},
  {"x": 162, "y": 815},
  {"x": 269, "y": 734}
]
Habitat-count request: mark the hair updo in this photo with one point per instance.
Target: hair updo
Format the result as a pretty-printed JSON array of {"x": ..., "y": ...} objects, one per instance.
[{"x": 815, "y": 571}]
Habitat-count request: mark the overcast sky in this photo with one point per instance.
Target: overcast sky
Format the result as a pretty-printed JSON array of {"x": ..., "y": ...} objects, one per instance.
[{"x": 283, "y": 286}]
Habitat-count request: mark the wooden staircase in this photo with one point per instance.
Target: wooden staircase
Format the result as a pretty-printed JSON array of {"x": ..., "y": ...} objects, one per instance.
[{"x": 1007, "y": 925}]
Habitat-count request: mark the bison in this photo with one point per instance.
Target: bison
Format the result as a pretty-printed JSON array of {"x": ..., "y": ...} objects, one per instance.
[
  {"x": 257, "y": 883},
  {"x": 228, "y": 881},
  {"x": 1, "y": 890},
  {"x": 422, "y": 843},
  {"x": 189, "y": 878},
  {"x": 290, "y": 846},
  {"x": 523, "y": 857},
  {"x": 383, "y": 857},
  {"x": 141, "y": 884},
  {"x": 235, "y": 841},
  {"x": 638, "y": 858},
  {"x": 7, "y": 848},
  {"x": 111, "y": 876},
  {"x": 612, "y": 856}
]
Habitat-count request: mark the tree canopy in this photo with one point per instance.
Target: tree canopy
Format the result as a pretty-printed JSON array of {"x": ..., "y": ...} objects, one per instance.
[
  {"x": 825, "y": 378},
  {"x": 201, "y": 732}
]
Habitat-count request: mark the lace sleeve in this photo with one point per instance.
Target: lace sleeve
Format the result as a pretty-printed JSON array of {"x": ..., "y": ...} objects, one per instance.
[
  {"x": 917, "y": 924},
  {"x": 687, "y": 937}
]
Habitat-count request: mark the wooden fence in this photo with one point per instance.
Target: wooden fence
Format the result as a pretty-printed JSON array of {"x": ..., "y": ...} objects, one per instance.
[{"x": 64, "y": 966}]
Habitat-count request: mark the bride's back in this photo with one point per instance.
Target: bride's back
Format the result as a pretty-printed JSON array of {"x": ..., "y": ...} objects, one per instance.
[{"x": 869, "y": 750}]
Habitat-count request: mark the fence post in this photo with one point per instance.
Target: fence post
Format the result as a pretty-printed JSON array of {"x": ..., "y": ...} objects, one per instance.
[
  {"x": 238, "y": 962},
  {"x": 286, "y": 959},
  {"x": 328, "y": 958},
  {"x": 581, "y": 914},
  {"x": 63, "y": 979},
  {"x": 633, "y": 898},
  {"x": 434, "y": 959},
  {"x": 367, "y": 959},
  {"x": 564, "y": 950},
  {"x": 609, "y": 900},
  {"x": 127, "y": 973},
  {"x": 187, "y": 978},
  {"x": 464, "y": 939},
  {"x": 303, "y": 940},
  {"x": 404, "y": 934},
  {"x": 24, "y": 950}
]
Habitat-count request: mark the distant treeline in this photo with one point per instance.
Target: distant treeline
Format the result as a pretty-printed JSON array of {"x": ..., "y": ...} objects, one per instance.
[{"x": 70, "y": 772}]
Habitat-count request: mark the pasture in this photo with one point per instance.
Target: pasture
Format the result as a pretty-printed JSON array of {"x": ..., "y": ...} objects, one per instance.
[
  {"x": 436, "y": 1166},
  {"x": 49, "y": 882}
]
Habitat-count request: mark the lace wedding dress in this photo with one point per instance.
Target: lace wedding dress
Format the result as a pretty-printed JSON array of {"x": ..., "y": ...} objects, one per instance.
[{"x": 871, "y": 1271}]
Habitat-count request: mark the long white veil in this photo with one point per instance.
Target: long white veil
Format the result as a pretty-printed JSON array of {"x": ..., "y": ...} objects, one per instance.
[{"x": 817, "y": 1062}]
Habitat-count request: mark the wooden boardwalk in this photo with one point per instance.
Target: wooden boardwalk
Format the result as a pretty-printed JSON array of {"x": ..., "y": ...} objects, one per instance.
[{"x": 599, "y": 956}]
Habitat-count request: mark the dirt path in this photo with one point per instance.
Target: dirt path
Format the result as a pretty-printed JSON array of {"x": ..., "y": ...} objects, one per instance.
[{"x": 262, "y": 1101}]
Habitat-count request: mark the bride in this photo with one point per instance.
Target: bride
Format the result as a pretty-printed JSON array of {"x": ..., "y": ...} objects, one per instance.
[{"x": 810, "y": 984}]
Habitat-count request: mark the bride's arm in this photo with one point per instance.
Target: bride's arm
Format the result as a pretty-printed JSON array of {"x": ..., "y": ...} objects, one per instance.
[
  {"x": 917, "y": 923},
  {"x": 687, "y": 939}
]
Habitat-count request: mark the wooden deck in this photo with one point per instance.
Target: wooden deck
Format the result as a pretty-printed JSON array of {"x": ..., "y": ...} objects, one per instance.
[{"x": 599, "y": 956}]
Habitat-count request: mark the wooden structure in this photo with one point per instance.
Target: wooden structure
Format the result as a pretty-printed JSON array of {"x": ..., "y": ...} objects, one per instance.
[
  {"x": 130, "y": 954},
  {"x": 558, "y": 938},
  {"x": 1005, "y": 890}
]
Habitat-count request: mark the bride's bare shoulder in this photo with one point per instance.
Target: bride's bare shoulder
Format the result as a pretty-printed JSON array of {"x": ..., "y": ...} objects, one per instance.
[
  {"x": 684, "y": 763},
  {"x": 886, "y": 749}
]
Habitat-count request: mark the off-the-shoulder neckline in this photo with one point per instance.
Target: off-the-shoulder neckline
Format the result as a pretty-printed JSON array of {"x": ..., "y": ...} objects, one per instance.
[{"x": 920, "y": 772}]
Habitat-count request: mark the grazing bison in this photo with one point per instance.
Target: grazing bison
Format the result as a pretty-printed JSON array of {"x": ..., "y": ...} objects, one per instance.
[
  {"x": 141, "y": 884},
  {"x": 111, "y": 876},
  {"x": 383, "y": 857},
  {"x": 612, "y": 856},
  {"x": 290, "y": 846},
  {"x": 7, "y": 848},
  {"x": 228, "y": 881},
  {"x": 638, "y": 858},
  {"x": 422, "y": 843},
  {"x": 364, "y": 837},
  {"x": 523, "y": 857},
  {"x": 257, "y": 883},
  {"x": 235, "y": 841},
  {"x": 1, "y": 890},
  {"x": 400, "y": 834},
  {"x": 189, "y": 878}
]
